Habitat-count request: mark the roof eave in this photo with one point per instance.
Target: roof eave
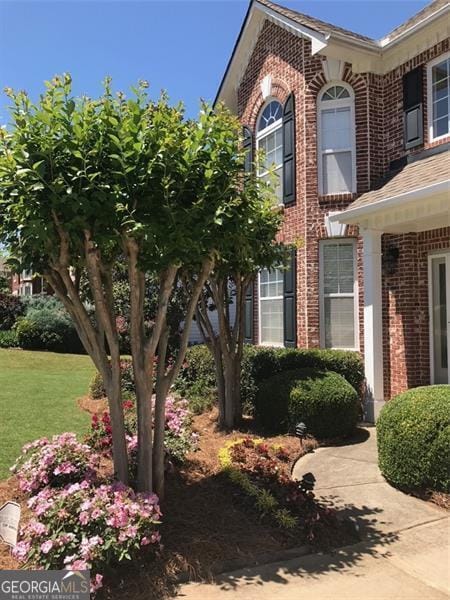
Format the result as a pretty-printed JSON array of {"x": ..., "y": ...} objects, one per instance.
[
  {"x": 352, "y": 216},
  {"x": 319, "y": 40}
]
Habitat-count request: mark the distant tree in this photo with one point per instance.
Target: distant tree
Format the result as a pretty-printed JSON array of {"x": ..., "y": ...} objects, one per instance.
[{"x": 85, "y": 182}]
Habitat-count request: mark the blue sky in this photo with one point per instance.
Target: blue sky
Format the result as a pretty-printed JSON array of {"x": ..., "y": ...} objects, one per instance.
[{"x": 182, "y": 46}]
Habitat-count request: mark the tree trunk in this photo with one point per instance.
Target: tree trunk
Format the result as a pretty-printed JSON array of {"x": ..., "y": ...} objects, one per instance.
[
  {"x": 220, "y": 382},
  {"x": 120, "y": 455},
  {"x": 159, "y": 417},
  {"x": 232, "y": 379}
]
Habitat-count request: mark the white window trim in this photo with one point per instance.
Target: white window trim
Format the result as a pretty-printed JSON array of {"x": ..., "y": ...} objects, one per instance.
[
  {"x": 322, "y": 244},
  {"x": 267, "y": 131},
  {"x": 430, "y": 66},
  {"x": 260, "y": 300},
  {"x": 343, "y": 103}
]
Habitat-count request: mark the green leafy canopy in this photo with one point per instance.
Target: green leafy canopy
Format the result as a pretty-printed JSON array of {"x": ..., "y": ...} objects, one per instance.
[{"x": 118, "y": 166}]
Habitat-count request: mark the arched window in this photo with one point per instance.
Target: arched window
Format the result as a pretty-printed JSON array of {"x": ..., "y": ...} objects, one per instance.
[
  {"x": 336, "y": 140},
  {"x": 269, "y": 138}
]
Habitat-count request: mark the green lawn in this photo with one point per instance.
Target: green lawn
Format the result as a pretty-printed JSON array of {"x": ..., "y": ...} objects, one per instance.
[{"x": 38, "y": 392}]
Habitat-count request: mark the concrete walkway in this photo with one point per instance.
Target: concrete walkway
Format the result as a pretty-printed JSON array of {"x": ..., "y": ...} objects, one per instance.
[{"x": 404, "y": 555}]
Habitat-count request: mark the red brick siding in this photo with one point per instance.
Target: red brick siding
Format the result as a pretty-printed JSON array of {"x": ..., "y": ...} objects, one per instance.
[
  {"x": 379, "y": 140},
  {"x": 406, "y": 350}
]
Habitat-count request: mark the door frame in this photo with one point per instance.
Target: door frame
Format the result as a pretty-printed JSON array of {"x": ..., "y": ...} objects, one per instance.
[{"x": 446, "y": 255}]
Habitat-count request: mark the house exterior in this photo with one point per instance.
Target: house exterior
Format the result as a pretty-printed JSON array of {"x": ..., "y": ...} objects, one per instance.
[
  {"x": 358, "y": 132},
  {"x": 26, "y": 283}
]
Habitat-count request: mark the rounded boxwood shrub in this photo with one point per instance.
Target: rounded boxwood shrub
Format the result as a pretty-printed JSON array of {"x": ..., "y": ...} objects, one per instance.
[
  {"x": 414, "y": 438},
  {"x": 260, "y": 363},
  {"x": 323, "y": 400}
]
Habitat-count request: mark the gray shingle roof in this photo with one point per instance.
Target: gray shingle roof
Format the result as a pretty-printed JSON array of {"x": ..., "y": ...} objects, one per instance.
[
  {"x": 328, "y": 28},
  {"x": 415, "y": 175}
]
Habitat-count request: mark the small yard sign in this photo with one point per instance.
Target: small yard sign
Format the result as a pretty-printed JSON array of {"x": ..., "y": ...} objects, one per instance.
[{"x": 9, "y": 522}]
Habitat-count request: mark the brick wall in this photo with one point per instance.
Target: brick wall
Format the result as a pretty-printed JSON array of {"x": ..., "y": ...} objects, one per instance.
[
  {"x": 379, "y": 140},
  {"x": 406, "y": 347}
]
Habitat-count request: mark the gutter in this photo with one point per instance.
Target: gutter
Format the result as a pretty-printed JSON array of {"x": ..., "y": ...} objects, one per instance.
[{"x": 398, "y": 201}]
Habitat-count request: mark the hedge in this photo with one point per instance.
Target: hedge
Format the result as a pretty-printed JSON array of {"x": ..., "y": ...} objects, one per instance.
[
  {"x": 47, "y": 326},
  {"x": 260, "y": 363},
  {"x": 413, "y": 432},
  {"x": 323, "y": 400}
]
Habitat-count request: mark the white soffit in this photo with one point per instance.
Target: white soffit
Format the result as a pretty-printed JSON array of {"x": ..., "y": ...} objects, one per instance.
[{"x": 418, "y": 210}]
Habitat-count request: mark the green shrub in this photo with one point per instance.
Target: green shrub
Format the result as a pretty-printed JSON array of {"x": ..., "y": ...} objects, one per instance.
[
  {"x": 96, "y": 387},
  {"x": 323, "y": 400},
  {"x": 47, "y": 326},
  {"x": 260, "y": 363},
  {"x": 201, "y": 399},
  {"x": 11, "y": 307},
  {"x": 8, "y": 339},
  {"x": 197, "y": 372},
  {"x": 414, "y": 438}
]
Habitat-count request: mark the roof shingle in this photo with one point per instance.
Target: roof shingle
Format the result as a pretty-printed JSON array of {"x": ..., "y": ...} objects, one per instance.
[{"x": 415, "y": 175}]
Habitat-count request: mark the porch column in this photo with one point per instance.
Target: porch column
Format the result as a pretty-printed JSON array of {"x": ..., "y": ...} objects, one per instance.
[{"x": 373, "y": 325}]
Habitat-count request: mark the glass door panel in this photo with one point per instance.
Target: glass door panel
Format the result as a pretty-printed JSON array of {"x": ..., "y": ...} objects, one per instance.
[{"x": 440, "y": 314}]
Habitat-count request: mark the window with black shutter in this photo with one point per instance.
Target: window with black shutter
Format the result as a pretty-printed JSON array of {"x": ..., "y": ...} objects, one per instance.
[
  {"x": 289, "y": 150},
  {"x": 289, "y": 302},
  {"x": 413, "y": 107}
]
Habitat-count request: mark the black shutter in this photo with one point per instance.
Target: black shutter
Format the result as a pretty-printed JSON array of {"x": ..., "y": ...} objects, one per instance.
[
  {"x": 413, "y": 107},
  {"x": 290, "y": 303},
  {"x": 248, "y": 314},
  {"x": 248, "y": 147},
  {"x": 289, "y": 150}
]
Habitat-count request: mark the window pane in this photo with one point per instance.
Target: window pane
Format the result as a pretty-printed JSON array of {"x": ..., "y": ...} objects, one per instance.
[
  {"x": 336, "y": 129},
  {"x": 440, "y": 127},
  {"x": 270, "y": 114},
  {"x": 339, "y": 323},
  {"x": 440, "y": 108},
  {"x": 272, "y": 321},
  {"x": 272, "y": 147},
  {"x": 441, "y": 71},
  {"x": 271, "y": 283},
  {"x": 338, "y": 268},
  {"x": 441, "y": 92},
  {"x": 440, "y": 89},
  {"x": 337, "y": 172}
]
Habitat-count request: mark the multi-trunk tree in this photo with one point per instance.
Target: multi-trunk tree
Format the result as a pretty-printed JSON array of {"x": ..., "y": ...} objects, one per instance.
[
  {"x": 85, "y": 182},
  {"x": 252, "y": 247}
]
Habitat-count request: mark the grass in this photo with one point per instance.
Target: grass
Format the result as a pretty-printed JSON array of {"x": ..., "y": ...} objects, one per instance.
[{"x": 38, "y": 392}]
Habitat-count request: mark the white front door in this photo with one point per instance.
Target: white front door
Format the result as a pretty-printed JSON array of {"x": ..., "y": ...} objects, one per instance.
[{"x": 439, "y": 270}]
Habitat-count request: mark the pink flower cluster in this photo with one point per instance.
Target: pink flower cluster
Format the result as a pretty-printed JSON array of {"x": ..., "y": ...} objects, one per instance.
[
  {"x": 54, "y": 462},
  {"x": 83, "y": 526},
  {"x": 179, "y": 438},
  {"x": 177, "y": 414}
]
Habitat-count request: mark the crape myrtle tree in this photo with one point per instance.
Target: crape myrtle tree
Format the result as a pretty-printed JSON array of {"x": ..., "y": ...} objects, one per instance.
[
  {"x": 85, "y": 182},
  {"x": 253, "y": 247}
]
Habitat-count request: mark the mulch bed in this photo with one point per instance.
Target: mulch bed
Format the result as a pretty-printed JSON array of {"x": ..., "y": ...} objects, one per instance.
[{"x": 206, "y": 523}]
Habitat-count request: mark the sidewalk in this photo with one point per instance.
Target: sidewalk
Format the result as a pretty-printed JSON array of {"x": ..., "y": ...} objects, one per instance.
[{"x": 404, "y": 555}]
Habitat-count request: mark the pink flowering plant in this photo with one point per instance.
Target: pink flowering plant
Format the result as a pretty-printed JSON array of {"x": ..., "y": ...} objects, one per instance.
[
  {"x": 55, "y": 463},
  {"x": 84, "y": 526},
  {"x": 179, "y": 437}
]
